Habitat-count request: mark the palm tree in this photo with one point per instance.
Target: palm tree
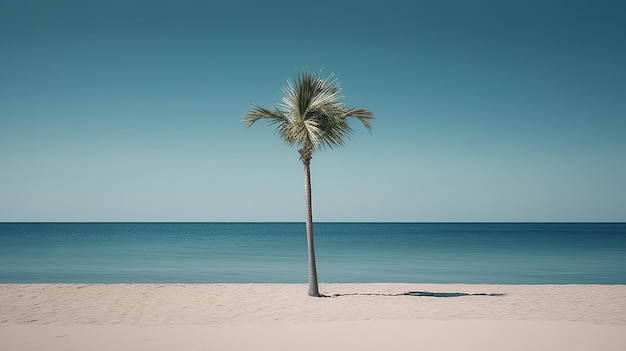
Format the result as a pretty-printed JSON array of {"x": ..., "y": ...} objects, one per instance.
[{"x": 311, "y": 116}]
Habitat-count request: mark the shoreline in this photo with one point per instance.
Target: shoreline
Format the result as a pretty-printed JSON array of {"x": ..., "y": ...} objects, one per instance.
[{"x": 365, "y": 316}]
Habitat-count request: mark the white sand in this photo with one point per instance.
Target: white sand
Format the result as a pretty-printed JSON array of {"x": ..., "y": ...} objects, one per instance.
[{"x": 283, "y": 317}]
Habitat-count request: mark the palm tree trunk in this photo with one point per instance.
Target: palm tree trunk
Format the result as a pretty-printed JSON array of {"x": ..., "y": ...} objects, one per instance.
[{"x": 305, "y": 156}]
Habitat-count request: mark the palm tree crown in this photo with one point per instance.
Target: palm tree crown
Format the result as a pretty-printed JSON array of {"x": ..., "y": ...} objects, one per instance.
[{"x": 311, "y": 114}]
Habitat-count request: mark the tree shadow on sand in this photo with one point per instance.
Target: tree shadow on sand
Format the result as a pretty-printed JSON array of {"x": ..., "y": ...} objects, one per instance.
[{"x": 419, "y": 294}]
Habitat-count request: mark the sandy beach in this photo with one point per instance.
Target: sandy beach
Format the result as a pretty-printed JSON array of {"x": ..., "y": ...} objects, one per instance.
[{"x": 283, "y": 317}]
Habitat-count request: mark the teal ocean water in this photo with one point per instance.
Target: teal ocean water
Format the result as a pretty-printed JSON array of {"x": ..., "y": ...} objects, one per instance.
[{"x": 490, "y": 253}]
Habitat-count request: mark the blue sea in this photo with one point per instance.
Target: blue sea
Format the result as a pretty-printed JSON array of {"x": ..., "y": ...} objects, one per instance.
[{"x": 489, "y": 253}]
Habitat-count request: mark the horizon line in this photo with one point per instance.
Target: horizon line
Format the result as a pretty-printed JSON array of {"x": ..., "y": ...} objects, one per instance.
[{"x": 338, "y": 222}]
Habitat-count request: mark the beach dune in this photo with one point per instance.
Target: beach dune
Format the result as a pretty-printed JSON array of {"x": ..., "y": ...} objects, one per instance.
[{"x": 282, "y": 316}]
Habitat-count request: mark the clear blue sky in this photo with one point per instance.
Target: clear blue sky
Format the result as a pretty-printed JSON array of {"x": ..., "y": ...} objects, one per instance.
[{"x": 485, "y": 110}]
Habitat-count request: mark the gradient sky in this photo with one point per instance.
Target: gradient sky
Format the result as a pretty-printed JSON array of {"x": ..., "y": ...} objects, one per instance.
[{"x": 485, "y": 110}]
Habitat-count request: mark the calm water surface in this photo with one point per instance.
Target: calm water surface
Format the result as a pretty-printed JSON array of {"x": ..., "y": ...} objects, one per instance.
[{"x": 490, "y": 253}]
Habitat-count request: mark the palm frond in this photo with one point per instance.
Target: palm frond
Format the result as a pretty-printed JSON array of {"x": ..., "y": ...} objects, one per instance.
[
  {"x": 257, "y": 113},
  {"x": 308, "y": 92},
  {"x": 326, "y": 93},
  {"x": 363, "y": 115}
]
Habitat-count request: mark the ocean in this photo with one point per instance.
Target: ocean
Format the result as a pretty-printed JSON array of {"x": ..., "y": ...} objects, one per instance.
[{"x": 473, "y": 253}]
